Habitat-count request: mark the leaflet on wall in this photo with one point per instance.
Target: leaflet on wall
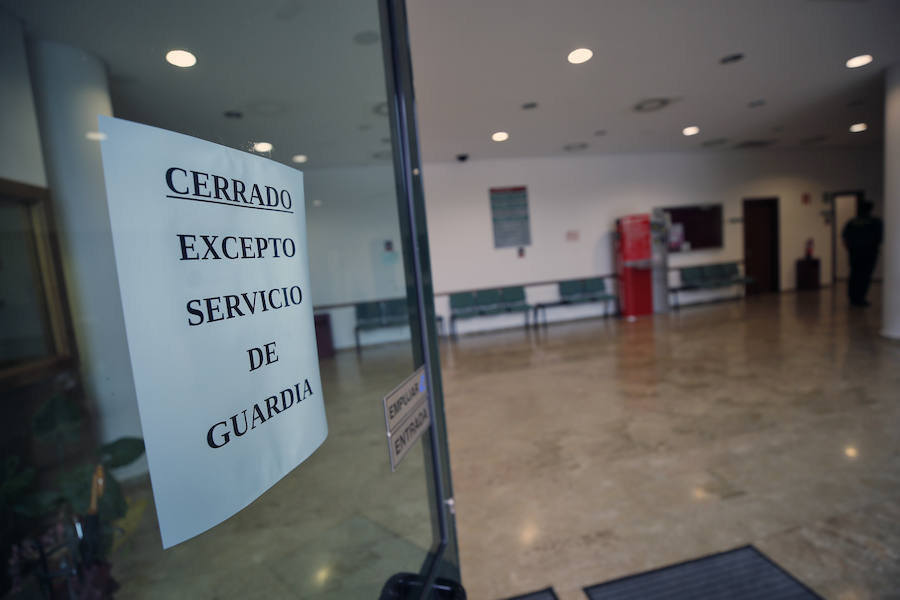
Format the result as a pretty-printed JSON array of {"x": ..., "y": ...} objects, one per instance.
[
  {"x": 210, "y": 248},
  {"x": 509, "y": 215}
]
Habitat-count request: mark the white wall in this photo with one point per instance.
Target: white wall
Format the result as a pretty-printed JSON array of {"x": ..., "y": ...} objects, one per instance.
[
  {"x": 585, "y": 194},
  {"x": 20, "y": 152},
  {"x": 70, "y": 90},
  {"x": 350, "y": 214},
  {"x": 588, "y": 193}
]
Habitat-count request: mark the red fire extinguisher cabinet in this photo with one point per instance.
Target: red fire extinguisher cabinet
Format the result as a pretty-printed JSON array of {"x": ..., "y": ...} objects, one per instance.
[{"x": 634, "y": 265}]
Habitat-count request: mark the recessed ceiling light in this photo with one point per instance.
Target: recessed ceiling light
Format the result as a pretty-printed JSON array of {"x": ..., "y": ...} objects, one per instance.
[
  {"x": 651, "y": 104},
  {"x": 95, "y": 136},
  {"x": 262, "y": 147},
  {"x": 181, "y": 58},
  {"x": 731, "y": 58},
  {"x": 858, "y": 127},
  {"x": 580, "y": 55},
  {"x": 499, "y": 136},
  {"x": 692, "y": 130},
  {"x": 299, "y": 158},
  {"x": 859, "y": 61}
]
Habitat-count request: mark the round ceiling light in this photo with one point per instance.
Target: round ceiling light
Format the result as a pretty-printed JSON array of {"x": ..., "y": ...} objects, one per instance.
[
  {"x": 262, "y": 147},
  {"x": 859, "y": 61},
  {"x": 692, "y": 130},
  {"x": 651, "y": 104},
  {"x": 181, "y": 58},
  {"x": 858, "y": 127},
  {"x": 731, "y": 58},
  {"x": 299, "y": 158},
  {"x": 580, "y": 55},
  {"x": 499, "y": 136}
]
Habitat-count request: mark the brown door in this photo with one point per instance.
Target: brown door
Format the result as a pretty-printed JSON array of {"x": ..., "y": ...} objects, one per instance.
[{"x": 761, "y": 244}]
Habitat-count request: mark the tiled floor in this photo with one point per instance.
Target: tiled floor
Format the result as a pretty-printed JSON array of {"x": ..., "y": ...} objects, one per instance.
[
  {"x": 599, "y": 449},
  {"x": 592, "y": 450}
]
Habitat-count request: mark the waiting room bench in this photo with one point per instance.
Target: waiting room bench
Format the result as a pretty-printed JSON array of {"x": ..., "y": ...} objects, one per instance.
[
  {"x": 465, "y": 305},
  {"x": 708, "y": 277},
  {"x": 383, "y": 313},
  {"x": 580, "y": 291}
]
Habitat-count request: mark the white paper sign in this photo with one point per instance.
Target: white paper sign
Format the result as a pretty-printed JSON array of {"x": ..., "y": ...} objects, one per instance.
[{"x": 210, "y": 246}]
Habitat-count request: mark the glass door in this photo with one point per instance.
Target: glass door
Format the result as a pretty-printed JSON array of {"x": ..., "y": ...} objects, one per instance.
[{"x": 320, "y": 87}]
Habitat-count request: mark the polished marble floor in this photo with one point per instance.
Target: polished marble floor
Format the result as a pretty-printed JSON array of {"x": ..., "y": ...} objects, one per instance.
[
  {"x": 588, "y": 451},
  {"x": 599, "y": 448}
]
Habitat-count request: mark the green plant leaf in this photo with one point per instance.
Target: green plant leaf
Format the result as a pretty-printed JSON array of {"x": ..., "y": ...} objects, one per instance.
[
  {"x": 58, "y": 419},
  {"x": 14, "y": 480},
  {"x": 121, "y": 452},
  {"x": 75, "y": 487}
]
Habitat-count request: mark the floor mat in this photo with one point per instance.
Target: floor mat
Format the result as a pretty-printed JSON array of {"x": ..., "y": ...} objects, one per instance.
[
  {"x": 546, "y": 594},
  {"x": 741, "y": 574}
]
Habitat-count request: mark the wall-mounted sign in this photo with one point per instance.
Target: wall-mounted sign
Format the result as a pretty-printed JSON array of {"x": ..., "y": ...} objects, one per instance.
[
  {"x": 406, "y": 415},
  {"x": 210, "y": 249},
  {"x": 509, "y": 214}
]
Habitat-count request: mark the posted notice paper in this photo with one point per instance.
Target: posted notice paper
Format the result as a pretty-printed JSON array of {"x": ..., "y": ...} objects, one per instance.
[{"x": 210, "y": 248}]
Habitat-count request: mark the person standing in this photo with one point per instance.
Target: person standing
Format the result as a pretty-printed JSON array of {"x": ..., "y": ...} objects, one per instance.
[{"x": 862, "y": 237}]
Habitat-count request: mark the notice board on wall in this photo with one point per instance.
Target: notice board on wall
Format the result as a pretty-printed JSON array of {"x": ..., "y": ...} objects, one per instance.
[
  {"x": 509, "y": 214},
  {"x": 210, "y": 251}
]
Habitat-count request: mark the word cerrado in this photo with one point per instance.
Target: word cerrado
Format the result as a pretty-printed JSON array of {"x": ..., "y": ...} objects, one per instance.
[
  {"x": 198, "y": 184},
  {"x": 260, "y": 412}
]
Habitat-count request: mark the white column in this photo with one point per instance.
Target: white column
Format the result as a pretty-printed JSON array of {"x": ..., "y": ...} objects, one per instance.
[
  {"x": 70, "y": 92},
  {"x": 891, "y": 246}
]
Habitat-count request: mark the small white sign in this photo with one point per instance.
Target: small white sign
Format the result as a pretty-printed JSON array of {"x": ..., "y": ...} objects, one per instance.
[
  {"x": 406, "y": 415},
  {"x": 210, "y": 248}
]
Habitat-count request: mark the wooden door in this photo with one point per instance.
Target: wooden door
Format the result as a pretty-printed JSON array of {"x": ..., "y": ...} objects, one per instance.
[{"x": 761, "y": 256}]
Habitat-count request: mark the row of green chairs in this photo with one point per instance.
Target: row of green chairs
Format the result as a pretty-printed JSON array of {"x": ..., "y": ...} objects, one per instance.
[
  {"x": 464, "y": 305},
  {"x": 580, "y": 291},
  {"x": 707, "y": 277}
]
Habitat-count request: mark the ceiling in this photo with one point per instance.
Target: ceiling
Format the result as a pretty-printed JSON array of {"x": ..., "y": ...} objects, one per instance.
[
  {"x": 307, "y": 75},
  {"x": 291, "y": 67},
  {"x": 476, "y": 62}
]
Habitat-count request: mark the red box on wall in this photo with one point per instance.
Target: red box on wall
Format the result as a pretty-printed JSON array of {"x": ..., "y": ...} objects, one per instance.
[{"x": 634, "y": 266}]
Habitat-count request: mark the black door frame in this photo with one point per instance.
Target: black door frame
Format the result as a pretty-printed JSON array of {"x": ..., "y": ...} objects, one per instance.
[
  {"x": 776, "y": 202},
  {"x": 443, "y": 557}
]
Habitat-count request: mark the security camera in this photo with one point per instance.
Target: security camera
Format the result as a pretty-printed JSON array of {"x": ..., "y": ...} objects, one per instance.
[{"x": 462, "y": 157}]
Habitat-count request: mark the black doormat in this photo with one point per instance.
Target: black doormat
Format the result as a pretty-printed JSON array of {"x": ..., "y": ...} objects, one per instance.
[
  {"x": 741, "y": 574},
  {"x": 547, "y": 594}
]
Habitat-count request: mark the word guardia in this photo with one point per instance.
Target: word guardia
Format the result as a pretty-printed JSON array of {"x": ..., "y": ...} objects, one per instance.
[
  {"x": 198, "y": 184},
  {"x": 220, "y": 433}
]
